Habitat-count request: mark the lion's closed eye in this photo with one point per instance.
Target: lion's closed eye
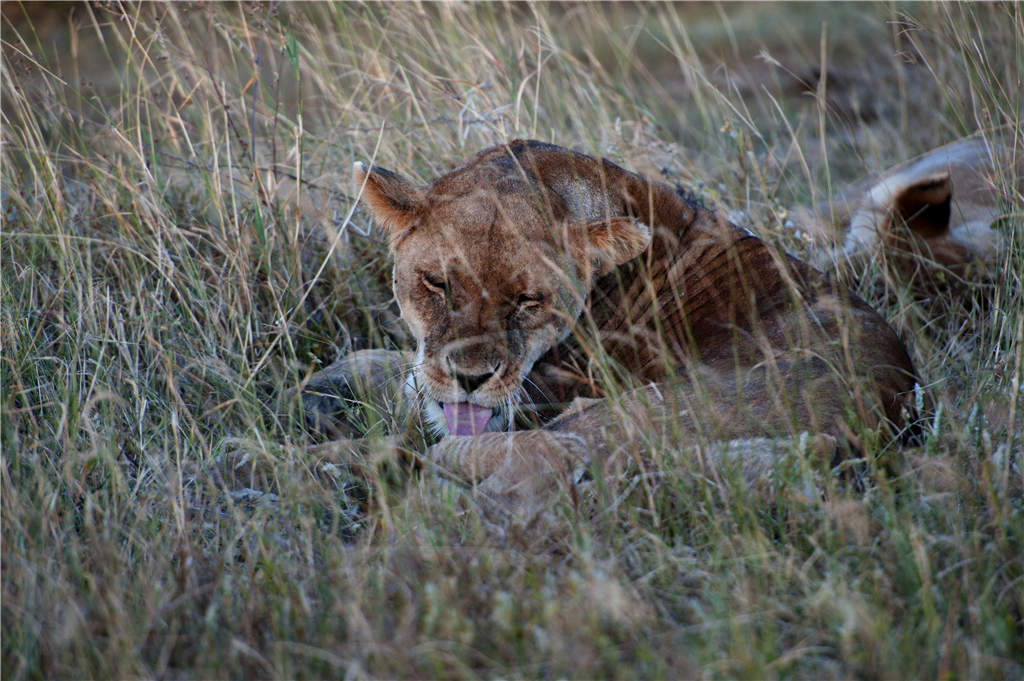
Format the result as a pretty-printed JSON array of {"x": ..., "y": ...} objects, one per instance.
[
  {"x": 528, "y": 301},
  {"x": 437, "y": 285}
]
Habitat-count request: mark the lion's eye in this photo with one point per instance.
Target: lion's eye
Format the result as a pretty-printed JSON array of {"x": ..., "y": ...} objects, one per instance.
[
  {"x": 527, "y": 301},
  {"x": 438, "y": 285}
]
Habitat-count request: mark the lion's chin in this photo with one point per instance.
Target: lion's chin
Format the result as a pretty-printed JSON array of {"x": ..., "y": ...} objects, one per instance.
[{"x": 464, "y": 418}]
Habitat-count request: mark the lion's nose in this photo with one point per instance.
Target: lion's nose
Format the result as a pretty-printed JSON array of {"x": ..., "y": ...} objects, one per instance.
[{"x": 470, "y": 382}]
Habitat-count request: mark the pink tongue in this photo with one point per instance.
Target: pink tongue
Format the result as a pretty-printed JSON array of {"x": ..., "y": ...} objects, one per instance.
[{"x": 466, "y": 419}]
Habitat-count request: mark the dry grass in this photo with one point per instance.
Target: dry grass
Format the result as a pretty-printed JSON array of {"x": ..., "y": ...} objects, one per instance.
[{"x": 179, "y": 247}]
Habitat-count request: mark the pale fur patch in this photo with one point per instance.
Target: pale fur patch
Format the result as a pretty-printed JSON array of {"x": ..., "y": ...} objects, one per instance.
[
  {"x": 583, "y": 200},
  {"x": 870, "y": 222}
]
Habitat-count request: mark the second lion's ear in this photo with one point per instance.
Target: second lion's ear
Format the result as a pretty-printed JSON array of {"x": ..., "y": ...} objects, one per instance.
[
  {"x": 615, "y": 241},
  {"x": 924, "y": 206},
  {"x": 390, "y": 197}
]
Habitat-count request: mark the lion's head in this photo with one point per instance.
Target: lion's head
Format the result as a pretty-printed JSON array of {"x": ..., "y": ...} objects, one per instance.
[{"x": 493, "y": 265}]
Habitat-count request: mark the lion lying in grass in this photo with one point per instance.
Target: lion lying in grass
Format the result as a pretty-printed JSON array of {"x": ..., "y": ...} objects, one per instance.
[
  {"x": 602, "y": 307},
  {"x": 942, "y": 210}
]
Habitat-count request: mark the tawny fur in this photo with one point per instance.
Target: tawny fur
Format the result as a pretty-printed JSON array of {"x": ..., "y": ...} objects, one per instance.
[
  {"x": 535, "y": 275},
  {"x": 943, "y": 209}
]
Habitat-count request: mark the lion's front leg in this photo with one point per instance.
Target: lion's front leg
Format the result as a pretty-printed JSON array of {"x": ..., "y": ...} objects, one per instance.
[
  {"x": 516, "y": 472},
  {"x": 356, "y": 393}
]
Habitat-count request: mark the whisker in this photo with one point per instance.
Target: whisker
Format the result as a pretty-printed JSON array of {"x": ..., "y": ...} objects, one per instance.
[
  {"x": 510, "y": 418},
  {"x": 530, "y": 380}
]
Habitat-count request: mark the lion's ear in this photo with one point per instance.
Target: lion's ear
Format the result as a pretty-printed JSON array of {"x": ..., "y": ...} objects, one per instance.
[
  {"x": 391, "y": 198},
  {"x": 615, "y": 241},
  {"x": 925, "y": 205}
]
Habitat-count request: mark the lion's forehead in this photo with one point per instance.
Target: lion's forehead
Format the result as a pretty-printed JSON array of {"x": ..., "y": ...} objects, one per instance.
[
  {"x": 502, "y": 173},
  {"x": 489, "y": 233},
  {"x": 495, "y": 227},
  {"x": 503, "y": 184},
  {"x": 504, "y": 266},
  {"x": 500, "y": 187}
]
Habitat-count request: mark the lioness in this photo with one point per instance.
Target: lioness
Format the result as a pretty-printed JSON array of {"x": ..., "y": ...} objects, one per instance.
[
  {"x": 944, "y": 208},
  {"x": 534, "y": 276}
]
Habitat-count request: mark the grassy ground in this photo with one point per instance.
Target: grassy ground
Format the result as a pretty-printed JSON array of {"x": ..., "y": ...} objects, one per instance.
[{"x": 180, "y": 247}]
